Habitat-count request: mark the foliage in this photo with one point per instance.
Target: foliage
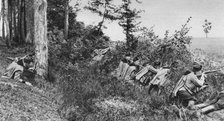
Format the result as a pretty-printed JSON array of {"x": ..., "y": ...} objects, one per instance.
[
  {"x": 89, "y": 91},
  {"x": 86, "y": 87},
  {"x": 207, "y": 27},
  {"x": 128, "y": 22},
  {"x": 104, "y": 8},
  {"x": 56, "y": 14}
]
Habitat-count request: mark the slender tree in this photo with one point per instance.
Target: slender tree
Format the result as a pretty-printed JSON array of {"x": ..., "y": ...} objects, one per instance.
[
  {"x": 3, "y": 19},
  {"x": 207, "y": 27},
  {"x": 10, "y": 21},
  {"x": 29, "y": 16},
  {"x": 66, "y": 24},
  {"x": 22, "y": 21},
  {"x": 40, "y": 37}
]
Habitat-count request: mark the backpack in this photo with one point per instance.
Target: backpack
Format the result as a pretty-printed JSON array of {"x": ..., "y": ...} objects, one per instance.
[{"x": 179, "y": 85}]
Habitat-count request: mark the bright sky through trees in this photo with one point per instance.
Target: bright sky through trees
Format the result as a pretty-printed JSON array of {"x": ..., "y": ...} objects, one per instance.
[{"x": 169, "y": 15}]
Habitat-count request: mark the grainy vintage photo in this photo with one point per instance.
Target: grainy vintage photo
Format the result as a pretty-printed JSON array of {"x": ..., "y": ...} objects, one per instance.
[{"x": 111, "y": 60}]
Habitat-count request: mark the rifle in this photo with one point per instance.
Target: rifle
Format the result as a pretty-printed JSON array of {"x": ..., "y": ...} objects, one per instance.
[
  {"x": 210, "y": 71},
  {"x": 13, "y": 59}
]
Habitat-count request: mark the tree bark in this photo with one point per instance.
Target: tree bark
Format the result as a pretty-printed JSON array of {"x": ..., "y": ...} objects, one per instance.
[
  {"x": 29, "y": 21},
  {"x": 66, "y": 19},
  {"x": 3, "y": 19},
  {"x": 15, "y": 22},
  {"x": 6, "y": 21},
  {"x": 40, "y": 37},
  {"x": 22, "y": 21},
  {"x": 10, "y": 21},
  {"x": 19, "y": 21}
]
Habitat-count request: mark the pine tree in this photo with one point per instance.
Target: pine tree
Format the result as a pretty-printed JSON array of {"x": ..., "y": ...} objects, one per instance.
[{"x": 128, "y": 22}]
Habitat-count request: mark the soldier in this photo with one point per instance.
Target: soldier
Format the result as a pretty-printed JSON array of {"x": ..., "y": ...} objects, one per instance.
[
  {"x": 132, "y": 69},
  {"x": 123, "y": 66},
  {"x": 16, "y": 69},
  {"x": 159, "y": 80},
  {"x": 188, "y": 86},
  {"x": 217, "y": 103},
  {"x": 146, "y": 74}
]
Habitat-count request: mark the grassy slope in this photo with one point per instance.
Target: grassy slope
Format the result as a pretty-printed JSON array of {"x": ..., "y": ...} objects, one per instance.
[{"x": 19, "y": 102}]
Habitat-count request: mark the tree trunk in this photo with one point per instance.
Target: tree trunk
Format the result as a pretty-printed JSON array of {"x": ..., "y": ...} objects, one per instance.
[
  {"x": 3, "y": 19},
  {"x": 15, "y": 22},
  {"x": 19, "y": 21},
  {"x": 40, "y": 37},
  {"x": 10, "y": 21},
  {"x": 66, "y": 19},
  {"x": 29, "y": 21},
  {"x": 22, "y": 21},
  {"x": 6, "y": 21}
]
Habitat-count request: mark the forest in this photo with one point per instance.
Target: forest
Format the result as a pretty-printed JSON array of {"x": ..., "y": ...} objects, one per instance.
[{"x": 76, "y": 64}]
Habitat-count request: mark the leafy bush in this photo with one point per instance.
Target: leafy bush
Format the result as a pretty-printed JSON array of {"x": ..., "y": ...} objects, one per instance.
[{"x": 83, "y": 84}]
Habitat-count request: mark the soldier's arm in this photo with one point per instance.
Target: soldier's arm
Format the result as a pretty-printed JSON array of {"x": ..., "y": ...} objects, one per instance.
[
  {"x": 152, "y": 69},
  {"x": 198, "y": 82}
]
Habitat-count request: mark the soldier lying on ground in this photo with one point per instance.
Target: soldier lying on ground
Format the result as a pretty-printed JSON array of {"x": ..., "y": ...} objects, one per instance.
[
  {"x": 214, "y": 104},
  {"x": 16, "y": 69}
]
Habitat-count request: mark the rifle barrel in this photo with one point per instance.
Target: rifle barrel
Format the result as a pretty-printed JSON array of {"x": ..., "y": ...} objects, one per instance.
[{"x": 207, "y": 72}]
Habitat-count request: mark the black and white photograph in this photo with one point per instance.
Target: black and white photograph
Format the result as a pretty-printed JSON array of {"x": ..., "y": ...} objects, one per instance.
[{"x": 111, "y": 60}]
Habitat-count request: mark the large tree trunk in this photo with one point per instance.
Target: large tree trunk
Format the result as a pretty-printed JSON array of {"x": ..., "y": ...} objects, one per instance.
[
  {"x": 40, "y": 37},
  {"x": 66, "y": 19},
  {"x": 29, "y": 21}
]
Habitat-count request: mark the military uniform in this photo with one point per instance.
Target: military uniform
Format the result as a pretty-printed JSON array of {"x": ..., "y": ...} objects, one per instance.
[{"x": 187, "y": 91}]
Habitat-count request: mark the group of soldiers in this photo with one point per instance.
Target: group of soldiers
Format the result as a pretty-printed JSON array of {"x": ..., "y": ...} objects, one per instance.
[{"x": 155, "y": 78}]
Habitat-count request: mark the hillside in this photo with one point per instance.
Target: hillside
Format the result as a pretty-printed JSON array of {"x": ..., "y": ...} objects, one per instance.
[{"x": 19, "y": 102}]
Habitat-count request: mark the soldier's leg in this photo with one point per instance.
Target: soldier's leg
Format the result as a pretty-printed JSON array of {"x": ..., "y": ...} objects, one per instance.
[
  {"x": 120, "y": 69},
  {"x": 205, "y": 104},
  {"x": 208, "y": 109},
  {"x": 17, "y": 76}
]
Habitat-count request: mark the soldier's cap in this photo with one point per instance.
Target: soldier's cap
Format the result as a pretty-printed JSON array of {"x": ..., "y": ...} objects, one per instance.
[
  {"x": 156, "y": 63},
  {"x": 196, "y": 67},
  {"x": 136, "y": 58},
  {"x": 128, "y": 54}
]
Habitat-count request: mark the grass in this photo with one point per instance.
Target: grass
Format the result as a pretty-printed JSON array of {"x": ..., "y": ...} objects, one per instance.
[{"x": 19, "y": 102}]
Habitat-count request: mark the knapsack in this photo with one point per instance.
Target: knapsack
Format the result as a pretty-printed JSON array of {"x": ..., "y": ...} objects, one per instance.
[{"x": 179, "y": 85}]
